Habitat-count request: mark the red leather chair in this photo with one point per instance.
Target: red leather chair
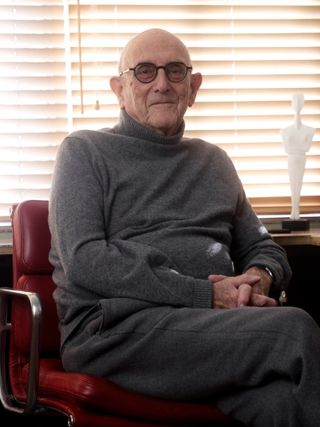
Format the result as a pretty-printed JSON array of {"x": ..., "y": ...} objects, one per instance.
[{"x": 31, "y": 374}]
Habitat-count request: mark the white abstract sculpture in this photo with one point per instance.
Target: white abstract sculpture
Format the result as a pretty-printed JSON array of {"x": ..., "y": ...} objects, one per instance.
[{"x": 297, "y": 140}]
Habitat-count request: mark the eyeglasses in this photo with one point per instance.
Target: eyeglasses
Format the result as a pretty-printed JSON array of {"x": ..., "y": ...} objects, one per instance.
[{"x": 147, "y": 72}]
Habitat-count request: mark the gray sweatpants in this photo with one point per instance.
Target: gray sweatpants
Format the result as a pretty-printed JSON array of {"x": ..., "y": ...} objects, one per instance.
[{"x": 260, "y": 365}]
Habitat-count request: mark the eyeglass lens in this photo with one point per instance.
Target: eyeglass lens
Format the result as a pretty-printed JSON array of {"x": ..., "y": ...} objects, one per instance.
[{"x": 175, "y": 71}]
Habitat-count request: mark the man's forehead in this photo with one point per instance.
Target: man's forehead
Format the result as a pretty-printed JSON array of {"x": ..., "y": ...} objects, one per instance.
[
  {"x": 157, "y": 48},
  {"x": 157, "y": 57}
]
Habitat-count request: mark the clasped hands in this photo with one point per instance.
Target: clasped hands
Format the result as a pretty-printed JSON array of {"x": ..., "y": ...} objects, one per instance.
[{"x": 248, "y": 289}]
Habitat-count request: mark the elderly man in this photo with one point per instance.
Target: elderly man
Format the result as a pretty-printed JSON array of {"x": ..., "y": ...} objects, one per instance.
[{"x": 167, "y": 282}]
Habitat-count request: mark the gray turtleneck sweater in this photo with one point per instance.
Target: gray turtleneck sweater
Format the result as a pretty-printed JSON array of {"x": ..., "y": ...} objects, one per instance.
[{"x": 139, "y": 219}]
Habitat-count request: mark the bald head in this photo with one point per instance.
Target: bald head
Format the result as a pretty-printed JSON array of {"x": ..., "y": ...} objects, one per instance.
[{"x": 152, "y": 40}]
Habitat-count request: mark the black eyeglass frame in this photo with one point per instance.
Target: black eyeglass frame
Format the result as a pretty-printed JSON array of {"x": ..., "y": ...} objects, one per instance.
[{"x": 157, "y": 68}]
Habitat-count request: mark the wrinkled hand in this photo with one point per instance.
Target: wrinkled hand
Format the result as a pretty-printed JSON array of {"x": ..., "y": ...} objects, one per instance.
[{"x": 250, "y": 288}]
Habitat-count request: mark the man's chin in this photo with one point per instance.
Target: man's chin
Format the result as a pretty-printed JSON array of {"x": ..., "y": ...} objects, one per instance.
[
  {"x": 163, "y": 112},
  {"x": 164, "y": 126}
]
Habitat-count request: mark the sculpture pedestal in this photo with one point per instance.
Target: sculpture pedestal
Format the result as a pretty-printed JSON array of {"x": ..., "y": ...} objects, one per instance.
[{"x": 296, "y": 224}]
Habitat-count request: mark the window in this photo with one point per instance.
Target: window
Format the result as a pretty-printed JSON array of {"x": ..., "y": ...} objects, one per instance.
[
  {"x": 33, "y": 97},
  {"x": 253, "y": 55}
]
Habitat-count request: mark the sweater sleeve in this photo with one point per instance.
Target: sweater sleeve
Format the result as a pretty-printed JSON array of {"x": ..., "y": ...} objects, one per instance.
[
  {"x": 85, "y": 256},
  {"x": 254, "y": 246}
]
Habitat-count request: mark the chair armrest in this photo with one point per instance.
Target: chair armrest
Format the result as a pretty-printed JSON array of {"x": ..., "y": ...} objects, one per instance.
[{"x": 6, "y": 396}]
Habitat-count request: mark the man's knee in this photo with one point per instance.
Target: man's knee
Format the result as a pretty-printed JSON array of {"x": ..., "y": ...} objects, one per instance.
[{"x": 294, "y": 317}]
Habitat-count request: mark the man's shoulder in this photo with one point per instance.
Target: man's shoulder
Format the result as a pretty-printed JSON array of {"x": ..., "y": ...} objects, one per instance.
[
  {"x": 206, "y": 146},
  {"x": 88, "y": 138},
  {"x": 89, "y": 134},
  {"x": 87, "y": 142}
]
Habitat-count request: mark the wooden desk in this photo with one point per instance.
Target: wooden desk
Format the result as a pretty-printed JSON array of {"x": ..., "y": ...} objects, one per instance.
[
  {"x": 297, "y": 238},
  {"x": 5, "y": 249}
]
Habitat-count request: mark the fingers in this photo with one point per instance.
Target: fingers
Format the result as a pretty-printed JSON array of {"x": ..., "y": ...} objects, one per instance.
[
  {"x": 236, "y": 281},
  {"x": 262, "y": 301},
  {"x": 246, "y": 279},
  {"x": 239, "y": 291},
  {"x": 244, "y": 295},
  {"x": 247, "y": 296},
  {"x": 216, "y": 277}
]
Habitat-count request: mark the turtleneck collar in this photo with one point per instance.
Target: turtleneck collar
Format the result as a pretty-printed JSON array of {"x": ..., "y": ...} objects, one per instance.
[{"x": 130, "y": 127}]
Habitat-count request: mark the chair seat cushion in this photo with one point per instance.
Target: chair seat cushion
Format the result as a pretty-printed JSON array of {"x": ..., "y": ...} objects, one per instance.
[{"x": 101, "y": 395}]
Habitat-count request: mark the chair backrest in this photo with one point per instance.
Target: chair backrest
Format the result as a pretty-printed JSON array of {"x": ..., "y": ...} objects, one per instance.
[
  {"x": 31, "y": 239},
  {"x": 32, "y": 272}
]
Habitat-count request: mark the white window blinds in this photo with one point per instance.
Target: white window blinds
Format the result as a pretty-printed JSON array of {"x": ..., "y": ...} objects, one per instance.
[
  {"x": 253, "y": 55},
  {"x": 33, "y": 97}
]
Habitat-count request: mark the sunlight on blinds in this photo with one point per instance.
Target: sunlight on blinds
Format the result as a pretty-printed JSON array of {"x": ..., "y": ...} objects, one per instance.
[
  {"x": 253, "y": 56},
  {"x": 33, "y": 113},
  {"x": 57, "y": 57}
]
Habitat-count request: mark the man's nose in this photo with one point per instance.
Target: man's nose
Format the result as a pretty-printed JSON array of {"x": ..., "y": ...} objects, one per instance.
[{"x": 161, "y": 81}]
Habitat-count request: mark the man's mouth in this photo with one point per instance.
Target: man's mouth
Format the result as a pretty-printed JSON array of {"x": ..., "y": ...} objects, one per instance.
[{"x": 161, "y": 103}]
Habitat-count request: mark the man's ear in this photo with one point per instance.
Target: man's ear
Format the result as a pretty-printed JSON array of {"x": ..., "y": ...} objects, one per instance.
[
  {"x": 196, "y": 80},
  {"x": 117, "y": 89}
]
